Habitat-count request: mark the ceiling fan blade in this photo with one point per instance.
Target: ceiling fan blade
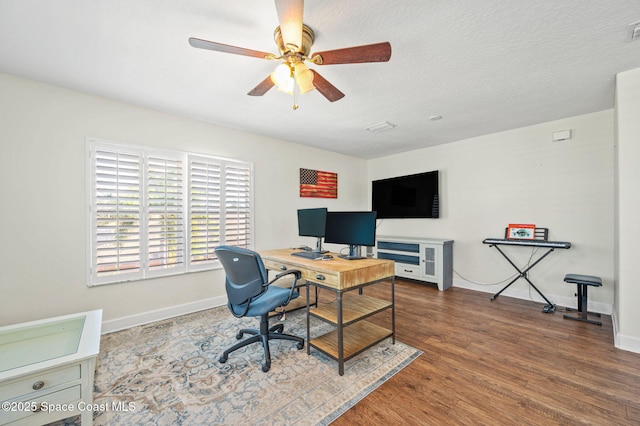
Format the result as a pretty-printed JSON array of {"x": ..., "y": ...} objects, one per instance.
[
  {"x": 327, "y": 89},
  {"x": 262, "y": 88},
  {"x": 290, "y": 18},
  {"x": 379, "y": 52},
  {"x": 225, "y": 48}
]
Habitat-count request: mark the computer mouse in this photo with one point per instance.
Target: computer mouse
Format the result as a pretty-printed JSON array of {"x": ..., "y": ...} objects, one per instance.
[{"x": 327, "y": 257}]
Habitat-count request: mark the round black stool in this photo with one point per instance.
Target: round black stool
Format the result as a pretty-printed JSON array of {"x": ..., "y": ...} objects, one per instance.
[{"x": 582, "y": 281}]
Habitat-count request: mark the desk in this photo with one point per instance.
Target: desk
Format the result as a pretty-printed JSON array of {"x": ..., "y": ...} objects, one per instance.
[
  {"x": 352, "y": 334},
  {"x": 551, "y": 245}
]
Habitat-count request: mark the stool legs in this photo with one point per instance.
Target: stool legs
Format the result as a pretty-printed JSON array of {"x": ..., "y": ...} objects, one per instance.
[{"x": 582, "y": 307}]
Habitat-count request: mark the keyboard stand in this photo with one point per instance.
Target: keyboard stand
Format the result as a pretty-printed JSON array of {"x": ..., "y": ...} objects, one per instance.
[
  {"x": 551, "y": 245},
  {"x": 550, "y": 307}
]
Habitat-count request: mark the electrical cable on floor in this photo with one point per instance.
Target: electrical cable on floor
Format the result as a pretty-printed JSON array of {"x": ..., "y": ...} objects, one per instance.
[
  {"x": 484, "y": 284},
  {"x": 534, "y": 250}
]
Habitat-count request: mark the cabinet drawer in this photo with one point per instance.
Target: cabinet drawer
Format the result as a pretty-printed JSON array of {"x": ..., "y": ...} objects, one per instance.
[
  {"x": 39, "y": 382},
  {"x": 402, "y": 258},
  {"x": 408, "y": 271},
  {"x": 64, "y": 396},
  {"x": 408, "y": 247}
]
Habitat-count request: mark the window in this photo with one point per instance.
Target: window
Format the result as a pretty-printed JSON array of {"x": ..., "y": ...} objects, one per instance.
[{"x": 155, "y": 213}]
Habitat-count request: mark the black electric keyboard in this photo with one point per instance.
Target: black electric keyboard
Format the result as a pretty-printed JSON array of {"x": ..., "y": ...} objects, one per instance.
[
  {"x": 531, "y": 243},
  {"x": 307, "y": 254}
]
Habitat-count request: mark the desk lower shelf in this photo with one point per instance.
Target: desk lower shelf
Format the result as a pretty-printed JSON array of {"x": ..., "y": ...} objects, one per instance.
[
  {"x": 360, "y": 336},
  {"x": 353, "y": 309}
]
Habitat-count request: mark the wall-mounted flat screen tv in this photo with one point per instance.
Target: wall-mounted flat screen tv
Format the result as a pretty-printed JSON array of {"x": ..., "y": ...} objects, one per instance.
[{"x": 407, "y": 197}]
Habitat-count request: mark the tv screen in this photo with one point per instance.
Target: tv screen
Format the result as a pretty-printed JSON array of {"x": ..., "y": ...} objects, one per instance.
[
  {"x": 405, "y": 197},
  {"x": 353, "y": 228},
  {"x": 311, "y": 222}
]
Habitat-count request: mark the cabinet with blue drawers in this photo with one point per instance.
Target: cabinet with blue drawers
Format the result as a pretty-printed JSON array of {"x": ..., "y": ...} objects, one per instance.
[{"x": 423, "y": 259}]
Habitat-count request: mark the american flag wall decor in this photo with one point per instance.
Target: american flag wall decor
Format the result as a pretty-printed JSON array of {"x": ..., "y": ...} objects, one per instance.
[{"x": 317, "y": 184}]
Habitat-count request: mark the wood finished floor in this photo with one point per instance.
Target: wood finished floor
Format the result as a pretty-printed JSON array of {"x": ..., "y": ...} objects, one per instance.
[{"x": 498, "y": 363}]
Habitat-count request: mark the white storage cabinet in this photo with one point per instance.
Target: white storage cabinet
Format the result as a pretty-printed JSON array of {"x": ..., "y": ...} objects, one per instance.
[{"x": 422, "y": 259}]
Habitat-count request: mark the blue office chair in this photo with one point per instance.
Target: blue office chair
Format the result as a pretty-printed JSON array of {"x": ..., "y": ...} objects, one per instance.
[{"x": 251, "y": 294}]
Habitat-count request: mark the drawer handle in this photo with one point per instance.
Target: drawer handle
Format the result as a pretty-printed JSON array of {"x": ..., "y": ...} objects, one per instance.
[
  {"x": 283, "y": 267},
  {"x": 38, "y": 385},
  {"x": 320, "y": 277},
  {"x": 408, "y": 270}
]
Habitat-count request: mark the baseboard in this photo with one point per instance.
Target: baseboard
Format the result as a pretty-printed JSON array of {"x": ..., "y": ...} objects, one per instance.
[
  {"x": 161, "y": 314},
  {"x": 626, "y": 343},
  {"x": 531, "y": 294}
]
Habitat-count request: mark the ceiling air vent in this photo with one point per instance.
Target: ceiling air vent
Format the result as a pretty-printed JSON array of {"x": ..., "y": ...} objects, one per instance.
[{"x": 381, "y": 127}]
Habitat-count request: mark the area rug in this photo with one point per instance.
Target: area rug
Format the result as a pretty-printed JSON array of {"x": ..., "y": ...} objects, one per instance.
[{"x": 167, "y": 373}]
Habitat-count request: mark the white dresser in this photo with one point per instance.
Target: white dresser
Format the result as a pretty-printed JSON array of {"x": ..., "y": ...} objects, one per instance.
[{"x": 47, "y": 368}]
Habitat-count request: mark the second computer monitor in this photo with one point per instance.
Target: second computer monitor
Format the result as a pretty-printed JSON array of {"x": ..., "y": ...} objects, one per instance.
[
  {"x": 353, "y": 228},
  {"x": 311, "y": 223}
]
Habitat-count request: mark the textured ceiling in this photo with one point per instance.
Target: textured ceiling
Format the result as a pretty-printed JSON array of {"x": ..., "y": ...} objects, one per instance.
[{"x": 484, "y": 66}]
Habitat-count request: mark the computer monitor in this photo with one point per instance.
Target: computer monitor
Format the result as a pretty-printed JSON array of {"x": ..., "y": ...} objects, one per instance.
[
  {"x": 311, "y": 223},
  {"x": 353, "y": 228}
]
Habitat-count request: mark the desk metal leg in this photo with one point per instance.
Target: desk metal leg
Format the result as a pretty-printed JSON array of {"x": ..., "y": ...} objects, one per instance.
[
  {"x": 393, "y": 311},
  {"x": 308, "y": 319},
  {"x": 523, "y": 274},
  {"x": 340, "y": 336}
]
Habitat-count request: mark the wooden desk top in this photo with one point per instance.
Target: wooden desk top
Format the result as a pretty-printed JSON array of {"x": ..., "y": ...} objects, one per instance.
[{"x": 337, "y": 273}]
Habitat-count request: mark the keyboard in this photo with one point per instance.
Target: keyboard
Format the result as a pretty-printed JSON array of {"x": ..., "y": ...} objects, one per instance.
[
  {"x": 521, "y": 242},
  {"x": 307, "y": 254}
]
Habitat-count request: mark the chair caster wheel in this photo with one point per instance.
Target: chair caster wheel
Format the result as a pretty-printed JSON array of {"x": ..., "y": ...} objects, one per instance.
[
  {"x": 266, "y": 368},
  {"x": 239, "y": 336},
  {"x": 222, "y": 359},
  {"x": 300, "y": 346}
]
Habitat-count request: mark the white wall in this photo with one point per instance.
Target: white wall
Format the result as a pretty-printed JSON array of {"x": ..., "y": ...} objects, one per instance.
[
  {"x": 521, "y": 176},
  {"x": 486, "y": 183},
  {"x": 627, "y": 314},
  {"x": 43, "y": 214}
]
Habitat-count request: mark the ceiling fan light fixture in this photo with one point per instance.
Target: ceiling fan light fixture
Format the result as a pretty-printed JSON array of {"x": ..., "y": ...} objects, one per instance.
[
  {"x": 303, "y": 78},
  {"x": 282, "y": 77}
]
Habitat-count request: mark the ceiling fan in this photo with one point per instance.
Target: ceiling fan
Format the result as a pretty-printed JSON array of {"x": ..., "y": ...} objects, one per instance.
[{"x": 294, "y": 40}]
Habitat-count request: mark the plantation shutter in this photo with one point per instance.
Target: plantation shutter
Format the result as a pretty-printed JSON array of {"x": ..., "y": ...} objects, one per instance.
[
  {"x": 158, "y": 212},
  {"x": 116, "y": 214},
  {"x": 204, "y": 211},
  {"x": 237, "y": 190},
  {"x": 165, "y": 214}
]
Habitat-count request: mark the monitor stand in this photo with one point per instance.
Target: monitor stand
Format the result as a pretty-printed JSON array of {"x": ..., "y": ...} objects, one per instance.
[
  {"x": 318, "y": 248},
  {"x": 354, "y": 253}
]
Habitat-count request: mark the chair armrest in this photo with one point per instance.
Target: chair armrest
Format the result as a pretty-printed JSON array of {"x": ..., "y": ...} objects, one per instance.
[{"x": 296, "y": 276}]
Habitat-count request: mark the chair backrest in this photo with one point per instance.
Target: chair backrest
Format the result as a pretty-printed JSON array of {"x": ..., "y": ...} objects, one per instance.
[{"x": 246, "y": 274}]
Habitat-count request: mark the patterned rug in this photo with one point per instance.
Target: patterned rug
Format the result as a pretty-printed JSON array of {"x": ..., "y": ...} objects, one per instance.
[{"x": 167, "y": 373}]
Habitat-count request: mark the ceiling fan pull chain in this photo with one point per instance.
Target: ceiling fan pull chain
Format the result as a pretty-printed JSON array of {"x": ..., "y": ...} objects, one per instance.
[{"x": 295, "y": 97}]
